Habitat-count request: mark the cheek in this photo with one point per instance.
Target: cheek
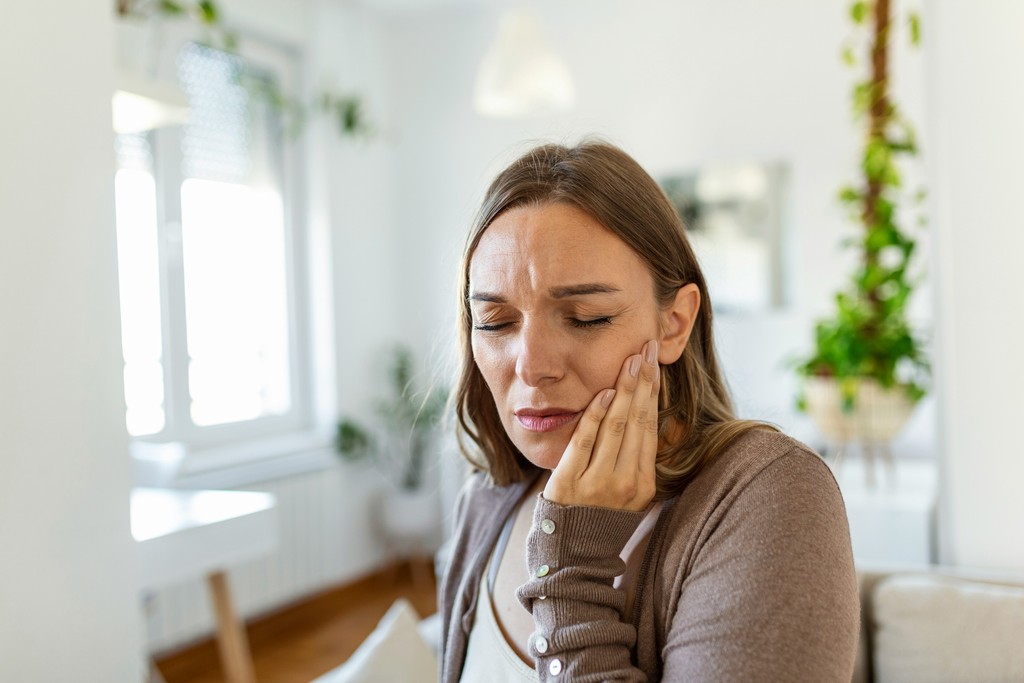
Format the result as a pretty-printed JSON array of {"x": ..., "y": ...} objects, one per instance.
[
  {"x": 600, "y": 370},
  {"x": 600, "y": 363},
  {"x": 490, "y": 361}
]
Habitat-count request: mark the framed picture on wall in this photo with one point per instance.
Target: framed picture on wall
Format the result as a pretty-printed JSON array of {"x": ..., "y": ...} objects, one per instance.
[{"x": 733, "y": 214}]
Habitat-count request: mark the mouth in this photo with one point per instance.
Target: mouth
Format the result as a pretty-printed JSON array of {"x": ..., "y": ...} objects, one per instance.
[{"x": 546, "y": 420}]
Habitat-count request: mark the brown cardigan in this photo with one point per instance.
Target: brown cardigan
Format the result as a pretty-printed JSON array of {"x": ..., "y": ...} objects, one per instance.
[{"x": 748, "y": 576}]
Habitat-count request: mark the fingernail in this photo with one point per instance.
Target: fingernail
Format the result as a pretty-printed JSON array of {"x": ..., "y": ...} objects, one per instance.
[
  {"x": 652, "y": 351},
  {"x": 634, "y": 365},
  {"x": 606, "y": 398}
]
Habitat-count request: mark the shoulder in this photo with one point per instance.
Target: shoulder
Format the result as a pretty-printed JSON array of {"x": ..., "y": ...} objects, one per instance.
[
  {"x": 765, "y": 491},
  {"x": 476, "y": 492},
  {"x": 759, "y": 460},
  {"x": 759, "y": 536},
  {"x": 475, "y": 482},
  {"x": 763, "y": 446},
  {"x": 479, "y": 491},
  {"x": 773, "y": 479},
  {"x": 481, "y": 505}
]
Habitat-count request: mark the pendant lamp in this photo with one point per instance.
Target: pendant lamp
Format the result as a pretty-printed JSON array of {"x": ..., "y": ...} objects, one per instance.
[{"x": 520, "y": 74}]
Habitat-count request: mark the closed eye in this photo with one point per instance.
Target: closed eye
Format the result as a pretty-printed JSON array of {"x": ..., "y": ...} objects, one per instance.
[
  {"x": 593, "y": 322},
  {"x": 490, "y": 327}
]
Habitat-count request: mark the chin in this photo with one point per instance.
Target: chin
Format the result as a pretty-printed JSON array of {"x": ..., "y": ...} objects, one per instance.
[
  {"x": 544, "y": 456},
  {"x": 543, "y": 449},
  {"x": 545, "y": 461}
]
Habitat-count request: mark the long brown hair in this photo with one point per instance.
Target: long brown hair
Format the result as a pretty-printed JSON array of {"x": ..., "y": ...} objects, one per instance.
[{"x": 696, "y": 418}]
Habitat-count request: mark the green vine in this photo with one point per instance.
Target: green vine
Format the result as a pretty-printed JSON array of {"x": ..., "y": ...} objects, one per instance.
[
  {"x": 346, "y": 109},
  {"x": 869, "y": 334}
]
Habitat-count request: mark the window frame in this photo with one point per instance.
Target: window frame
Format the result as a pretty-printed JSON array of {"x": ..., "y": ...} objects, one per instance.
[{"x": 285, "y": 65}]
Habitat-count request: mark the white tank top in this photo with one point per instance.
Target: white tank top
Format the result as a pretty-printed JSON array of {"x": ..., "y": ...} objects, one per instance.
[{"x": 489, "y": 657}]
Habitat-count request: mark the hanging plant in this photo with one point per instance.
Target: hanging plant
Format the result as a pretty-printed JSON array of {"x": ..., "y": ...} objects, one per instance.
[
  {"x": 346, "y": 109},
  {"x": 869, "y": 335}
]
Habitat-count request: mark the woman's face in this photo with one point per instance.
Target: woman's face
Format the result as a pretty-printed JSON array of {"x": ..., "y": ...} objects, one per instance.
[{"x": 558, "y": 303}]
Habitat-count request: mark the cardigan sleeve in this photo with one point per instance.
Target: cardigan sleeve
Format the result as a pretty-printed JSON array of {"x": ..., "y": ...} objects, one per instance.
[
  {"x": 573, "y": 557},
  {"x": 768, "y": 591},
  {"x": 772, "y": 592}
]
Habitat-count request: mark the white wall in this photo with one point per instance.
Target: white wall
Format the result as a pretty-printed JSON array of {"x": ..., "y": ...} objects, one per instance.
[
  {"x": 68, "y": 585},
  {"x": 683, "y": 83},
  {"x": 354, "y": 195},
  {"x": 678, "y": 84},
  {"x": 975, "y": 52}
]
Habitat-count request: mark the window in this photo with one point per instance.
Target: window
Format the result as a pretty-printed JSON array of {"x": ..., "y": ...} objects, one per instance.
[{"x": 208, "y": 257}]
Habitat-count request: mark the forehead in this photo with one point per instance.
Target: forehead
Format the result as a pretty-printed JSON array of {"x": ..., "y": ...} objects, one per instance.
[{"x": 552, "y": 245}]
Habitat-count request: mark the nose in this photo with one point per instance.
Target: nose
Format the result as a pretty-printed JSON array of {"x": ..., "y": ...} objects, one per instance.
[{"x": 539, "y": 361}]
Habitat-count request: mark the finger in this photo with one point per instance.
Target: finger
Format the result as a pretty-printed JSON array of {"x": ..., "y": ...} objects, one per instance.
[
  {"x": 609, "y": 436},
  {"x": 578, "y": 453},
  {"x": 649, "y": 450},
  {"x": 643, "y": 410}
]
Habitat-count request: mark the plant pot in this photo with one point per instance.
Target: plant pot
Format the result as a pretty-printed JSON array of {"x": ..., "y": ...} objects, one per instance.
[
  {"x": 878, "y": 415},
  {"x": 411, "y": 517}
]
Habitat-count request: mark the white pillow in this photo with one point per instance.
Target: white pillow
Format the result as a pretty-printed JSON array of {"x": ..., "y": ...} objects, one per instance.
[
  {"x": 939, "y": 629},
  {"x": 393, "y": 652},
  {"x": 430, "y": 631}
]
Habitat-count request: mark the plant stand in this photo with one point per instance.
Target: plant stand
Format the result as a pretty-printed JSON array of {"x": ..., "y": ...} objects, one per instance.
[
  {"x": 870, "y": 451},
  {"x": 877, "y": 416},
  {"x": 411, "y": 524}
]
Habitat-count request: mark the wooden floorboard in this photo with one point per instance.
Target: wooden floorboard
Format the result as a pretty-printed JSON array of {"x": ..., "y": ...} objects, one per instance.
[{"x": 306, "y": 640}]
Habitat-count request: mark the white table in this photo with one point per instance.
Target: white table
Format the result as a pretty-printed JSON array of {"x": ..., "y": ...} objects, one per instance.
[{"x": 182, "y": 534}]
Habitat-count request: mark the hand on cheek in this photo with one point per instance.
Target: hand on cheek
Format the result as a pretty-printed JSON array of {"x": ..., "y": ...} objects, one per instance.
[{"x": 609, "y": 461}]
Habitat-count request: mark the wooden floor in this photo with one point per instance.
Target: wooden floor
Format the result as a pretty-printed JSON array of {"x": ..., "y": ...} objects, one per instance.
[{"x": 299, "y": 643}]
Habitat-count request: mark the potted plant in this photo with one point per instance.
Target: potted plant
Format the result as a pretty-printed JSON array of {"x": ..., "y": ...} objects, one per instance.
[
  {"x": 402, "y": 448},
  {"x": 868, "y": 368}
]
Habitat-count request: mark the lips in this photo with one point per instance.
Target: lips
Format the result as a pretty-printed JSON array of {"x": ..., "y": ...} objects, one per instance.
[{"x": 547, "y": 419}]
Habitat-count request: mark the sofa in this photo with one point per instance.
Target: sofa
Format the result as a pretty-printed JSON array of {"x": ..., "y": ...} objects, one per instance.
[
  {"x": 918, "y": 625},
  {"x": 939, "y": 625}
]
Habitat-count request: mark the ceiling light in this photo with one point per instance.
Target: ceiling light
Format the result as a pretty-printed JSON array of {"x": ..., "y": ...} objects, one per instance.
[{"x": 520, "y": 74}]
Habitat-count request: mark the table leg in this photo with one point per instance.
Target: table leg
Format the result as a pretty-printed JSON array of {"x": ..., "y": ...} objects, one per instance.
[
  {"x": 422, "y": 574},
  {"x": 231, "y": 639}
]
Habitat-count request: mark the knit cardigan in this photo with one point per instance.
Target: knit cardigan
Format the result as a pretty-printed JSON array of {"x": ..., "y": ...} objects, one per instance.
[{"x": 748, "y": 575}]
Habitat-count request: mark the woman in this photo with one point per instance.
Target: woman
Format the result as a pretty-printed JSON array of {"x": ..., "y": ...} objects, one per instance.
[{"x": 622, "y": 524}]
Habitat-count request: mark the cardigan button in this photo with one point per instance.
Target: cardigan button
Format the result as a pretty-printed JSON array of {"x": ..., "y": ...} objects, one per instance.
[
  {"x": 547, "y": 526},
  {"x": 541, "y": 644},
  {"x": 555, "y": 667},
  {"x": 542, "y": 571}
]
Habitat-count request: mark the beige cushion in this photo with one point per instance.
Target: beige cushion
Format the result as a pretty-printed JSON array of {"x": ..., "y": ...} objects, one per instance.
[
  {"x": 393, "y": 652},
  {"x": 938, "y": 629}
]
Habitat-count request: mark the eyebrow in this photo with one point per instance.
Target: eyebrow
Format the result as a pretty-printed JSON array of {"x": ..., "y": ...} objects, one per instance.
[
  {"x": 581, "y": 290},
  {"x": 562, "y": 292}
]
